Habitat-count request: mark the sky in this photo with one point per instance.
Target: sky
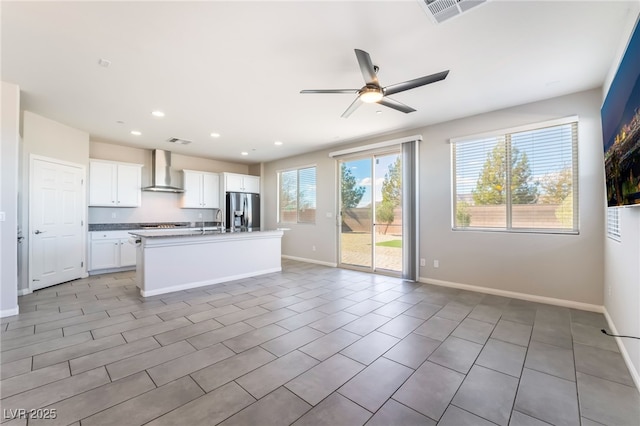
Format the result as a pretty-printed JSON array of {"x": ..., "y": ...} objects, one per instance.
[{"x": 362, "y": 170}]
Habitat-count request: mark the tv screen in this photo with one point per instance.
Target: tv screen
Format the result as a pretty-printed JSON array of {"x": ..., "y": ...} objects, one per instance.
[{"x": 621, "y": 129}]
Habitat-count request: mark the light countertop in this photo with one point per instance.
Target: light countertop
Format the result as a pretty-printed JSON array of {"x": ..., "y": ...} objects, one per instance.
[{"x": 192, "y": 232}]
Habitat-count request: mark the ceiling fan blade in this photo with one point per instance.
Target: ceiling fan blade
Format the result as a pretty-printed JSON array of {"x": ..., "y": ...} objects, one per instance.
[
  {"x": 366, "y": 67},
  {"x": 351, "y": 91},
  {"x": 416, "y": 82},
  {"x": 391, "y": 103},
  {"x": 354, "y": 106}
]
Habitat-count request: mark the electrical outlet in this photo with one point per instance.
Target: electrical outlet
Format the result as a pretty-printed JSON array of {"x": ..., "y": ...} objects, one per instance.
[
  {"x": 436, "y": 263},
  {"x": 199, "y": 215},
  {"x": 423, "y": 262},
  {"x": 313, "y": 248},
  {"x": 609, "y": 290},
  {"x": 113, "y": 215}
]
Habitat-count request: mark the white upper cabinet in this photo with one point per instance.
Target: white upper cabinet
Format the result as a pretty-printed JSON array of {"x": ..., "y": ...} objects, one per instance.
[
  {"x": 113, "y": 184},
  {"x": 128, "y": 185},
  {"x": 201, "y": 190},
  {"x": 234, "y": 182},
  {"x": 210, "y": 190}
]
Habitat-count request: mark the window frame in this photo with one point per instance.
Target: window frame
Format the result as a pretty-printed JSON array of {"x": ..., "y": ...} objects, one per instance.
[
  {"x": 506, "y": 134},
  {"x": 279, "y": 191}
]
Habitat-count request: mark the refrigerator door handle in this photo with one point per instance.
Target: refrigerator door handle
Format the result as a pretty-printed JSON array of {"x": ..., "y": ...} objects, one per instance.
[{"x": 245, "y": 213}]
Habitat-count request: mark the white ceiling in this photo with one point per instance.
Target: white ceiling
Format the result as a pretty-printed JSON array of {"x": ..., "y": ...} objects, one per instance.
[{"x": 236, "y": 68}]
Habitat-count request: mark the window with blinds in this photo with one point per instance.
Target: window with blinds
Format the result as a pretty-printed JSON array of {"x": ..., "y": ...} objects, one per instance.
[
  {"x": 613, "y": 223},
  {"x": 521, "y": 181},
  {"x": 297, "y": 195}
]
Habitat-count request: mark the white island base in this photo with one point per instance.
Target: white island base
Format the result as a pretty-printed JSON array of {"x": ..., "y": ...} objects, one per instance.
[{"x": 169, "y": 262}]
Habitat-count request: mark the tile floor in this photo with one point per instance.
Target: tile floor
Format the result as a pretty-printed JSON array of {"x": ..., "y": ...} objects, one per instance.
[{"x": 309, "y": 346}]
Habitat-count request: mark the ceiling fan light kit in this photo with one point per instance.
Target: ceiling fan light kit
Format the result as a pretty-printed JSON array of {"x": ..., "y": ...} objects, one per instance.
[
  {"x": 372, "y": 92},
  {"x": 371, "y": 95}
]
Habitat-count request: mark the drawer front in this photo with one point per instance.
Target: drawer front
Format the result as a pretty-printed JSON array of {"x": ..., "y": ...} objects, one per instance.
[{"x": 109, "y": 235}]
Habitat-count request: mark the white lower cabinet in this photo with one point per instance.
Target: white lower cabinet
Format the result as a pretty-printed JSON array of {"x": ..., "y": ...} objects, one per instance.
[
  {"x": 110, "y": 250},
  {"x": 105, "y": 254}
]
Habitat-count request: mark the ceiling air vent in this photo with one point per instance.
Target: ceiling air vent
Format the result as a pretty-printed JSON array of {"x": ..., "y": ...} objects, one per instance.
[
  {"x": 441, "y": 10},
  {"x": 179, "y": 141}
]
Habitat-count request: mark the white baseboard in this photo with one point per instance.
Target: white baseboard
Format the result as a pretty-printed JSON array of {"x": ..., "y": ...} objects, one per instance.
[
  {"x": 516, "y": 295},
  {"x": 304, "y": 259},
  {"x": 623, "y": 350},
  {"x": 197, "y": 284},
  {"x": 24, "y": 291},
  {"x": 110, "y": 270},
  {"x": 10, "y": 312}
]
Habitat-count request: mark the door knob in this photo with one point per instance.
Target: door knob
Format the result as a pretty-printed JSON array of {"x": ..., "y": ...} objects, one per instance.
[{"x": 39, "y": 232}]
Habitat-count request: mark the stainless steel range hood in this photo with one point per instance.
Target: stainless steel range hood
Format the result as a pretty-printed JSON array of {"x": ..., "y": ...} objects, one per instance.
[{"x": 161, "y": 173}]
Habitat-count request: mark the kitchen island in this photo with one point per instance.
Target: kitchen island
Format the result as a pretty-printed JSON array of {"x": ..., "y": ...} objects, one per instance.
[{"x": 174, "y": 260}]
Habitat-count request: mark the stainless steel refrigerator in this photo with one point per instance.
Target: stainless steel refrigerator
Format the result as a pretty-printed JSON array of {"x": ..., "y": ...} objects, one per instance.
[{"x": 243, "y": 211}]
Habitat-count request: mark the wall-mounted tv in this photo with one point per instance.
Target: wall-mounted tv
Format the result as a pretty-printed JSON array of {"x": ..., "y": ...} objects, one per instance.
[{"x": 621, "y": 129}]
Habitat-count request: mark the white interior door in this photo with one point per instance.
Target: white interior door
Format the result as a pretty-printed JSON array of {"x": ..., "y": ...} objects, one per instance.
[{"x": 56, "y": 237}]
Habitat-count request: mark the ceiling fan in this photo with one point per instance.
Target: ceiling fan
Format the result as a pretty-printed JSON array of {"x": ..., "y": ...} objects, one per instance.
[{"x": 372, "y": 92}]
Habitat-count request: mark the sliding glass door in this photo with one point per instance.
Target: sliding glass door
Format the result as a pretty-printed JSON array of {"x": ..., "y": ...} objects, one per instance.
[{"x": 371, "y": 212}]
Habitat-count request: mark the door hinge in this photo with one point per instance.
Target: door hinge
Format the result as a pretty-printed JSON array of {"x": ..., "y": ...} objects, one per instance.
[
  {"x": 35, "y": 279},
  {"x": 82, "y": 223},
  {"x": 82, "y": 264}
]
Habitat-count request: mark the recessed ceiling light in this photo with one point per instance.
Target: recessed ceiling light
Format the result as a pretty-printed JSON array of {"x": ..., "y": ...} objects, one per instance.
[
  {"x": 215, "y": 135},
  {"x": 136, "y": 132},
  {"x": 244, "y": 153},
  {"x": 378, "y": 112},
  {"x": 157, "y": 114},
  {"x": 278, "y": 143}
]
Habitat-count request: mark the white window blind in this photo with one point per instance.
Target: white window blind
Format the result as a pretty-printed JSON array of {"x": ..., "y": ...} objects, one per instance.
[
  {"x": 297, "y": 195},
  {"x": 307, "y": 195},
  {"x": 518, "y": 181},
  {"x": 613, "y": 223}
]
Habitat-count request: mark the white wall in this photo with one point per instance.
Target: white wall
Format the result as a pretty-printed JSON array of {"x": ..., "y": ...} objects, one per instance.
[
  {"x": 299, "y": 240},
  {"x": 156, "y": 206},
  {"x": 48, "y": 138},
  {"x": 566, "y": 267},
  {"x": 622, "y": 266},
  {"x": 622, "y": 284},
  {"x": 9, "y": 151}
]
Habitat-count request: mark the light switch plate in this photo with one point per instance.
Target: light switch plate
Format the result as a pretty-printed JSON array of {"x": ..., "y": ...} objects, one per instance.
[{"x": 3, "y": 216}]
